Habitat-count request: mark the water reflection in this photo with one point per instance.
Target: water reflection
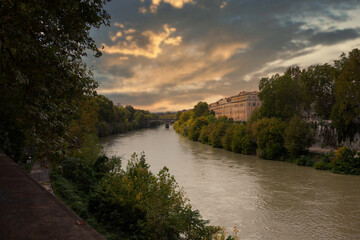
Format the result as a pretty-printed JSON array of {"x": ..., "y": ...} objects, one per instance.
[{"x": 264, "y": 199}]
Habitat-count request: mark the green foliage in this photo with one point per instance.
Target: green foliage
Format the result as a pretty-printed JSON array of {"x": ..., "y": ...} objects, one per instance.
[
  {"x": 177, "y": 115},
  {"x": 345, "y": 162},
  {"x": 43, "y": 80},
  {"x": 227, "y": 138},
  {"x": 241, "y": 141},
  {"x": 128, "y": 204},
  {"x": 304, "y": 161},
  {"x": 205, "y": 132},
  {"x": 217, "y": 134},
  {"x": 269, "y": 135},
  {"x": 117, "y": 119},
  {"x": 185, "y": 116},
  {"x": 281, "y": 96},
  {"x": 69, "y": 194},
  {"x": 89, "y": 150},
  {"x": 346, "y": 112},
  {"x": 201, "y": 109},
  {"x": 298, "y": 136},
  {"x": 145, "y": 205},
  {"x": 195, "y": 128},
  {"x": 321, "y": 166},
  {"x": 319, "y": 83}
]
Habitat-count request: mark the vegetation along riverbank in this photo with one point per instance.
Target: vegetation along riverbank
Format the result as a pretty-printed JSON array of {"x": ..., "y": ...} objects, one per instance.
[
  {"x": 50, "y": 111},
  {"x": 294, "y": 104}
]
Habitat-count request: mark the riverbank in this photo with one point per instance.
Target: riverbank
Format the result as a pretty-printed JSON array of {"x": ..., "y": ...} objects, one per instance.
[
  {"x": 267, "y": 138},
  {"x": 263, "y": 199}
]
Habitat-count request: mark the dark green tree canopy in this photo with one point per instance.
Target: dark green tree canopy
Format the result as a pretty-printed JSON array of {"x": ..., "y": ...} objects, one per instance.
[
  {"x": 201, "y": 109},
  {"x": 346, "y": 112},
  {"x": 281, "y": 96},
  {"x": 42, "y": 77},
  {"x": 319, "y": 82}
]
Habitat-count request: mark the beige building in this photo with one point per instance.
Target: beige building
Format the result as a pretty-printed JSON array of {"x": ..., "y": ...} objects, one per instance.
[{"x": 239, "y": 107}]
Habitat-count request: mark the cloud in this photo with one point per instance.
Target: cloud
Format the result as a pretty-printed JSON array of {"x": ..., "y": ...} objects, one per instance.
[
  {"x": 152, "y": 48},
  {"x": 192, "y": 51},
  {"x": 332, "y": 37},
  {"x": 174, "y": 3}
]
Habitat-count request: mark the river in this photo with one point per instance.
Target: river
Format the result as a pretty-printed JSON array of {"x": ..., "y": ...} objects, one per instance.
[{"x": 263, "y": 199}]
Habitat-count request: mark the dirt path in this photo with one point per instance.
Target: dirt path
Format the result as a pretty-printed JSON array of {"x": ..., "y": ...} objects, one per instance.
[{"x": 41, "y": 173}]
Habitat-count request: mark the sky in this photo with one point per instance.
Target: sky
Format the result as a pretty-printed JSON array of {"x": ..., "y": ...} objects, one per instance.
[{"x": 167, "y": 55}]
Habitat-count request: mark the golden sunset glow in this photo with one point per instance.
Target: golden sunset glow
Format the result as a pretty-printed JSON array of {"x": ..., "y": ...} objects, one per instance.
[{"x": 169, "y": 54}]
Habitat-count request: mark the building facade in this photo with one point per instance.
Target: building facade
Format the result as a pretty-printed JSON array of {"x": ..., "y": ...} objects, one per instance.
[{"x": 239, "y": 107}]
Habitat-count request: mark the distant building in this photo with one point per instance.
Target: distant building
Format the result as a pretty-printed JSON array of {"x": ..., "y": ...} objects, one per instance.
[{"x": 239, "y": 107}]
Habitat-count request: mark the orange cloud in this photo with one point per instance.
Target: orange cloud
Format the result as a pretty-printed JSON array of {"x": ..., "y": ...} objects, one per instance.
[
  {"x": 174, "y": 3},
  {"x": 225, "y": 51},
  {"x": 151, "y": 50},
  {"x": 116, "y": 36}
]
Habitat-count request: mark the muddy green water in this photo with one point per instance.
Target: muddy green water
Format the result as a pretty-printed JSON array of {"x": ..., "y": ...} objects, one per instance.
[{"x": 263, "y": 199}]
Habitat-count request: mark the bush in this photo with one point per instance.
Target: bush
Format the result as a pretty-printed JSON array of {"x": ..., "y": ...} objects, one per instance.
[
  {"x": 345, "y": 162},
  {"x": 242, "y": 141},
  {"x": 195, "y": 128},
  {"x": 203, "y": 137},
  {"x": 217, "y": 134},
  {"x": 227, "y": 138},
  {"x": 304, "y": 161},
  {"x": 269, "y": 135},
  {"x": 102, "y": 129},
  {"x": 298, "y": 136},
  {"x": 321, "y": 166},
  {"x": 147, "y": 206}
]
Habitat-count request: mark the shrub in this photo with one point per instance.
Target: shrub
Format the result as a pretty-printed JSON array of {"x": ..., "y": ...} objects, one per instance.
[
  {"x": 203, "y": 137},
  {"x": 195, "y": 128},
  {"x": 298, "y": 136},
  {"x": 217, "y": 133},
  {"x": 227, "y": 138},
  {"x": 345, "y": 162},
  {"x": 310, "y": 162},
  {"x": 239, "y": 133},
  {"x": 242, "y": 141},
  {"x": 147, "y": 206},
  {"x": 321, "y": 166},
  {"x": 102, "y": 129},
  {"x": 78, "y": 171},
  {"x": 304, "y": 161},
  {"x": 269, "y": 135}
]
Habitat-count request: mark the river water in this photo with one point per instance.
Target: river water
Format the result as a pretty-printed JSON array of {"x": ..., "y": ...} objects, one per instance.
[{"x": 263, "y": 199}]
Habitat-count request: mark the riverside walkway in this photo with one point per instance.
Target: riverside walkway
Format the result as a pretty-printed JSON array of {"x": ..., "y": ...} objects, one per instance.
[{"x": 28, "y": 211}]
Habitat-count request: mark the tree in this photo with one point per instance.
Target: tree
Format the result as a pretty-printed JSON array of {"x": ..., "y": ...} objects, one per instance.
[
  {"x": 346, "y": 111},
  {"x": 345, "y": 162},
  {"x": 217, "y": 133},
  {"x": 201, "y": 109},
  {"x": 140, "y": 204},
  {"x": 227, "y": 138},
  {"x": 139, "y": 119},
  {"x": 195, "y": 128},
  {"x": 241, "y": 141},
  {"x": 42, "y": 76},
  {"x": 319, "y": 82},
  {"x": 281, "y": 96},
  {"x": 298, "y": 136},
  {"x": 269, "y": 133}
]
